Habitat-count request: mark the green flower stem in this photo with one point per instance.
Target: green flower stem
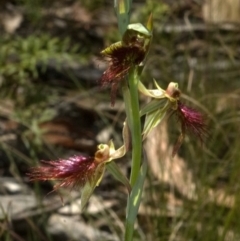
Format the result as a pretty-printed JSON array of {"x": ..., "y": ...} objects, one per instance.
[
  {"x": 134, "y": 201},
  {"x": 129, "y": 228},
  {"x": 130, "y": 95},
  {"x": 135, "y": 127},
  {"x": 131, "y": 100}
]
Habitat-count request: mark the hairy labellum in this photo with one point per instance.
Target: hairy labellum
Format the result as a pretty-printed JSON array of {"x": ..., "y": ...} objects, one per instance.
[
  {"x": 121, "y": 58},
  {"x": 75, "y": 171},
  {"x": 191, "y": 121}
]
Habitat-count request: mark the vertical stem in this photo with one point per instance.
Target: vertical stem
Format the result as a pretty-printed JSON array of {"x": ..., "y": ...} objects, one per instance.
[
  {"x": 130, "y": 95},
  {"x": 134, "y": 201},
  {"x": 136, "y": 126},
  {"x": 129, "y": 228}
]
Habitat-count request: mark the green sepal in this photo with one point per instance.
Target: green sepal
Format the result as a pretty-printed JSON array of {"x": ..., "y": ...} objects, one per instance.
[
  {"x": 158, "y": 93},
  {"x": 152, "y": 106},
  {"x": 118, "y": 175},
  {"x": 91, "y": 184},
  {"x": 121, "y": 151},
  {"x": 153, "y": 119},
  {"x": 149, "y": 24},
  {"x": 86, "y": 194}
]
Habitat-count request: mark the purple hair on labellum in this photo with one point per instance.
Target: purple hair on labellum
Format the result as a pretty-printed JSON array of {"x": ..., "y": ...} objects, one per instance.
[
  {"x": 72, "y": 172},
  {"x": 121, "y": 58},
  {"x": 191, "y": 121}
]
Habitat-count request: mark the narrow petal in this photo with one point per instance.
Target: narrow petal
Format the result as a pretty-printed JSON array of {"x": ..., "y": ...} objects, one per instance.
[{"x": 89, "y": 187}]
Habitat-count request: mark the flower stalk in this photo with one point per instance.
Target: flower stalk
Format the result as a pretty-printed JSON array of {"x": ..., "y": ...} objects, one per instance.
[
  {"x": 136, "y": 126},
  {"x": 133, "y": 115}
]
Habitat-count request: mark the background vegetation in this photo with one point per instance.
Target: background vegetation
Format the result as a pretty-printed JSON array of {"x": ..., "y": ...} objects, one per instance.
[{"x": 51, "y": 107}]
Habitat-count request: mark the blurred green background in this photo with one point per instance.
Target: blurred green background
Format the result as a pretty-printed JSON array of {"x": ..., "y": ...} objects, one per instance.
[{"x": 51, "y": 107}]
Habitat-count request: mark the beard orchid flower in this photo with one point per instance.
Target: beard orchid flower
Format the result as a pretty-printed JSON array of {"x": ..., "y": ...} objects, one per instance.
[
  {"x": 124, "y": 55},
  {"x": 81, "y": 171}
]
